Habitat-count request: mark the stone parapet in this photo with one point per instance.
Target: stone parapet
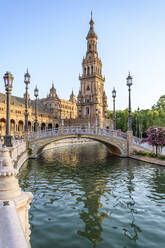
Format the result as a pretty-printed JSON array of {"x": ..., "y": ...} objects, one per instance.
[
  {"x": 11, "y": 231},
  {"x": 18, "y": 201}
]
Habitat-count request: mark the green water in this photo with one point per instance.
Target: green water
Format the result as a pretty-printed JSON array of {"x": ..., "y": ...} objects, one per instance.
[{"x": 85, "y": 198}]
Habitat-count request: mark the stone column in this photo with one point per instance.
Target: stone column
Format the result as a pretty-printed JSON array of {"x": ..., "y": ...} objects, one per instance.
[
  {"x": 129, "y": 142},
  {"x": 10, "y": 190}
]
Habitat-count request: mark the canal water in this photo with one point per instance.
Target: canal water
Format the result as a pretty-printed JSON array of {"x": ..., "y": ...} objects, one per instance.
[{"x": 85, "y": 198}]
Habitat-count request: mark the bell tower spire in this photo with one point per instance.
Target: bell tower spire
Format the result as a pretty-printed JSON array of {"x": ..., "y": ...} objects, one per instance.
[{"x": 91, "y": 101}]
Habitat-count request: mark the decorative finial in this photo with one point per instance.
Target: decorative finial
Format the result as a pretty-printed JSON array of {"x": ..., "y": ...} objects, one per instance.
[
  {"x": 52, "y": 84},
  {"x": 91, "y": 21}
]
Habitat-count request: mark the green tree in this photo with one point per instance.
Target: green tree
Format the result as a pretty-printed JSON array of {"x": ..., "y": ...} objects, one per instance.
[
  {"x": 143, "y": 119},
  {"x": 160, "y": 103}
]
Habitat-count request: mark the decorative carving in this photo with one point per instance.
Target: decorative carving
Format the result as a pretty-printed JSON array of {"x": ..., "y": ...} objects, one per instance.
[{"x": 6, "y": 203}]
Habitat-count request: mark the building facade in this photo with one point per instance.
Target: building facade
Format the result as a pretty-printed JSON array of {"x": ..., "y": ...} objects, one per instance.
[
  {"x": 89, "y": 109},
  {"x": 51, "y": 110}
]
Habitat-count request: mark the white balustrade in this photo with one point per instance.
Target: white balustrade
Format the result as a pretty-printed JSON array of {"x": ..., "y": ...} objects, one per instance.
[{"x": 77, "y": 130}]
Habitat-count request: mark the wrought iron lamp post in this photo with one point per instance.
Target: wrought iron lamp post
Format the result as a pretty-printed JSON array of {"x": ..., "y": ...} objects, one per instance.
[
  {"x": 8, "y": 80},
  {"x": 27, "y": 82},
  {"x": 36, "y": 109},
  {"x": 114, "y": 114},
  {"x": 129, "y": 83}
]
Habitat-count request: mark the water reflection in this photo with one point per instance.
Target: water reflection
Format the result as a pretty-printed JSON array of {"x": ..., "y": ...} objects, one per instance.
[
  {"x": 133, "y": 230},
  {"x": 84, "y": 197}
]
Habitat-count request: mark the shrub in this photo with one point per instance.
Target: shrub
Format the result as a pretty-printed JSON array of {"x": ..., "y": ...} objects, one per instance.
[
  {"x": 149, "y": 154},
  {"x": 161, "y": 156},
  {"x": 152, "y": 155},
  {"x": 142, "y": 153}
]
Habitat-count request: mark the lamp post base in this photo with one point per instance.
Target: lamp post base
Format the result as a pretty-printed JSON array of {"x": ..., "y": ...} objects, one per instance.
[{"x": 8, "y": 141}]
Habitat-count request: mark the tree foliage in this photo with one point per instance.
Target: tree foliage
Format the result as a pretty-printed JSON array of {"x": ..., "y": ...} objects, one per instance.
[
  {"x": 160, "y": 103},
  {"x": 143, "y": 119}
]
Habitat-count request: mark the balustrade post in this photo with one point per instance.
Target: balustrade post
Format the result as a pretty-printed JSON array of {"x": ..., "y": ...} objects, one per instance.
[{"x": 129, "y": 142}]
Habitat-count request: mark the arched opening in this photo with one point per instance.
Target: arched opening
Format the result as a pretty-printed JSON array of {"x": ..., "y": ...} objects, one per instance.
[
  {"x": 112, "y": 147},
  {"x": 92, "y": 69},
  {"x": 50, "y": 126},
  {"x": 2, "y": 126},
  {"x": 12, "y": 126},
  {"x": 88, "y": 70},
  {"x": 20, "y": 126},
  {"x": 85, "y": 71},
  {"x": 57, "y": 125},
  {"x": 88, "y": 87},
  {"x": 29, "y": 126},
  {"x": 43, "y": 126},
  {"x": 87, "y": 110}
]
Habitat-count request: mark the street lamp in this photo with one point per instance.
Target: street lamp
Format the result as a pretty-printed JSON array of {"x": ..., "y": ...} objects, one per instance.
[
  {"x": 114, "y": 114},
  {"x": 8, "y": 80},
  {"x": 129, "y": 83},
  {"x": 36, "y": 121},
  {"x": 27, "y": 82}
]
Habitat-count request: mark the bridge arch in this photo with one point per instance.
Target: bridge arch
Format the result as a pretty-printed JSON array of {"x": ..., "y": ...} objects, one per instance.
[{"x": 114, "y": 146}]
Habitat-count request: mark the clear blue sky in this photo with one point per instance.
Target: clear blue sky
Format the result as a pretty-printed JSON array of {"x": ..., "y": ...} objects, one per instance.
[{"x": 48, "y": 37}]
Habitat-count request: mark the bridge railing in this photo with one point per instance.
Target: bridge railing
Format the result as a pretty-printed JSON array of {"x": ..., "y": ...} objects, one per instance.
[
  {"x": 76, "y": 130},
  {"x": 19, "y": 146},
  {"x": 137, "y": 141}
]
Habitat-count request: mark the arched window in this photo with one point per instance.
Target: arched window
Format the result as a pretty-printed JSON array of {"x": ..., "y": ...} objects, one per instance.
[
  {"x": 87, "y": 110},
  {"x": 85, "y": 70},
  {"x": 88, "y": 87},
  {"x": 92, "y": 69},
  {"x": 88, "y": 70},
  {"x": 89, "y": 46}
]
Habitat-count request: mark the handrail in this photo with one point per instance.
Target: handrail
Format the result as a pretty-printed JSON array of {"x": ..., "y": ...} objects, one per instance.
[{"x": 76, "y": 130}]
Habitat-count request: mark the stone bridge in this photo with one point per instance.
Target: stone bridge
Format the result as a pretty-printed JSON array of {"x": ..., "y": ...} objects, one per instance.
[{"x": 118, "y": 143}]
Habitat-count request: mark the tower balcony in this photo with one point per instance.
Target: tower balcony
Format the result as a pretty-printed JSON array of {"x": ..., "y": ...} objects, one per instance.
[{"x": 91, "y": 75}]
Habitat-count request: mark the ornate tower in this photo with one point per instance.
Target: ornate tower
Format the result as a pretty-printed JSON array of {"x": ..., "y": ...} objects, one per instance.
[{"x": 92, "y": 100}]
